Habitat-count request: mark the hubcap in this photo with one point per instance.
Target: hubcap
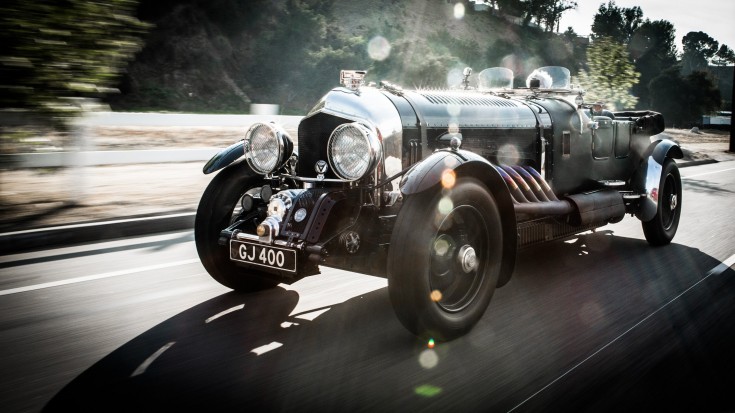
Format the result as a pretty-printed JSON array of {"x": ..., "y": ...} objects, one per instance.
[
  {"x": 456, "y": 270},
  {"x": 467, "y": 258},
  {"x": 673, "y": 202}
]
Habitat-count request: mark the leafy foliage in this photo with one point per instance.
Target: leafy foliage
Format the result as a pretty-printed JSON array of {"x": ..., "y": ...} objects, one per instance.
[
  {"x": 610, "y": 76},
  {"x": 699, "y": 47},
  {"x": 552, "y": 10},
  {"x": 686, "y": 97},
  {"x": 653, "y": 50},
  {"x": 683, "y": 100},
  {"x": 55, "y": 50},
  {"x": 546, "y": 13},
  {"x": 307, "y": 58},
  {"x": 290, "y": 52},
  {"x": 221, "y": 55},
  {"x": 724, "y": 56},
  {"x": 616, "y": 23}
]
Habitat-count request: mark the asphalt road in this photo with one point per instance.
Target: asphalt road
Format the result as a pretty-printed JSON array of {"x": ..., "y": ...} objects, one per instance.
[{"x": 601, "y": 322}]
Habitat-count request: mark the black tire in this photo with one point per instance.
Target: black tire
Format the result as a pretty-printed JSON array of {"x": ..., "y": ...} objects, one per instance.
[
  {"x": 662, "y": 228},
  {"x": 215, "y": 213},
  {"x": 434, "y": 292}
]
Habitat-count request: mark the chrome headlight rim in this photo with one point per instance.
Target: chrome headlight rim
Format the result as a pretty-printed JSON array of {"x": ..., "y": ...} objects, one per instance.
[
  {"x": 278, "y": 149},
  {"x": 369, "y": 142}
]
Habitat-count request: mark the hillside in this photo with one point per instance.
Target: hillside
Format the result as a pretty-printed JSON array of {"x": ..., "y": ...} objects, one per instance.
[{"x": 222, "y": 55}]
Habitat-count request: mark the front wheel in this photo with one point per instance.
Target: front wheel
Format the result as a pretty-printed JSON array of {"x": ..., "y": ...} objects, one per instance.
[
  {"x": 215, "y": 213},
  {"x": 445, "y": 259},
  {"x": 662, "y": 228}
]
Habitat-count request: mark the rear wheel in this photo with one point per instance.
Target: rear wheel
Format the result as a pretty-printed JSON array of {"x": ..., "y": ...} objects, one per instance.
[
  {"x": 215, "y": 213},
  {"x": 662, "y": 228},
  {"x": 445, "y": 259}
]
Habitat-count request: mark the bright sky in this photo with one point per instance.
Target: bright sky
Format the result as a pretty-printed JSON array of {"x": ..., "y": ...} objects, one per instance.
[{"x": 714, "y": 17}]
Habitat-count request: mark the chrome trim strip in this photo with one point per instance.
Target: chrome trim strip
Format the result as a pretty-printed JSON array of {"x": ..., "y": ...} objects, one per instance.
[
  {"x": 303, "y": 179},
  {"x": 244, "y": 236}
]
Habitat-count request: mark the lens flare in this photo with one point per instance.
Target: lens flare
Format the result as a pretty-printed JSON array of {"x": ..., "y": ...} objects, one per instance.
[
  {"x": 450, "y": 162},
  {"x": 445, "y": 206},
  {"x": 431, "y": 343},
  {"x": 591, "y": 314},
  {"x": 428, "y": 359},
  {"x": 509, "y": 154},
  {"x": 378, "y": 48},
  {"x": 449, "y": 178},
  {"x": 459, "y": 11},
  {"x": 454, "y": 110},
  {"x": 427, "y": 390},
  {"x": 454, "y": 77},
  {"x": 441, "y": 246}
]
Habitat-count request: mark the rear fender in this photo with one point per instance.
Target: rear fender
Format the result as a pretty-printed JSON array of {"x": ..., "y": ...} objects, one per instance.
[
  {"x": 427, "y": 174},
  {"x": 648, "y": 176}
]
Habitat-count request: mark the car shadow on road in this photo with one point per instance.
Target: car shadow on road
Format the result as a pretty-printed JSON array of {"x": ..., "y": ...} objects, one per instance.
[{"x": 567, "y": 301}]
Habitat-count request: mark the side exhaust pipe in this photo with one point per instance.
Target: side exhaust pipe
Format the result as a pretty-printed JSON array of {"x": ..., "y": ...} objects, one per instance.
[{"x": 533, "y": 196}]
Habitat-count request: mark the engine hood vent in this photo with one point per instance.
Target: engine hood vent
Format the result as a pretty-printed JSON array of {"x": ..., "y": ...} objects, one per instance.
[
  {"x": 470, "y": 110},
  {"x": 476, "y": 100}
]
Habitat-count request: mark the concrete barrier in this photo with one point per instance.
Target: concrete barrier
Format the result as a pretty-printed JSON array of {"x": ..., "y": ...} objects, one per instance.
[
  {"x": 131, "y": 119},
  {"x": 95, "y": 158}
]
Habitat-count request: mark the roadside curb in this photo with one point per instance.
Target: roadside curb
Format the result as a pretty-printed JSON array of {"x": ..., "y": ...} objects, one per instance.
[
  {"x": 66, "y": 235},
  {"x": 696, "y": 163}
]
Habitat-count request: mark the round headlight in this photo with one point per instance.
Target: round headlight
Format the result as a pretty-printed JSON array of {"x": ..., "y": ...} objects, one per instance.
[
  {"x": 267, "y": 147},
  {"x": 354, "y": 151}
]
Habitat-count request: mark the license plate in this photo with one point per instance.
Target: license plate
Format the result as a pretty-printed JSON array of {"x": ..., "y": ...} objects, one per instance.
[{"x": 263, "y": 255}]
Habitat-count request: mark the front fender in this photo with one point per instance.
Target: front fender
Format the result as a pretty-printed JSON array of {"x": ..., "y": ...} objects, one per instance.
[
  {"x": 648, "y": 176},
  {"x": 428, "y": 174},
  {"x": 224, "y": 157}
]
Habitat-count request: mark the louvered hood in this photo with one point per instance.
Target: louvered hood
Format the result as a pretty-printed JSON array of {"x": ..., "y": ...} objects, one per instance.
[{"x": 470, "y": 109}]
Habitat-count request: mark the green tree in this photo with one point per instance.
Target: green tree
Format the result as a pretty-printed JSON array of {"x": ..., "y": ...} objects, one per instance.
[
  {"x": 54, "y": 50},
  {"x": 683, "y": 100},
  {"x": 578, "y": 47},
  {"x": 552, "y": 11},
  {"x": 699, "y": 48},
  {"x": 298, "y": 55},
  {"x": 545, "y": 13},
  {"x": 653, "y": 50},
  {"x": 510, "y": 7},
  {"x": 466, "y": 51},
  {"x": 610, "y": 76},
  {"x": 616, "y": 23},
  {"x": 724, "y": 56}
]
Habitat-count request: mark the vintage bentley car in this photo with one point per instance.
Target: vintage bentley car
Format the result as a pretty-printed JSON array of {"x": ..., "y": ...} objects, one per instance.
[{"x": 436, "y": 190}]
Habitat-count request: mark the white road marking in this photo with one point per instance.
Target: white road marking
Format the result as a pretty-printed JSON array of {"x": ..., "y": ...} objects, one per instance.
[
  {"x": 707, "y": 173},
  {"x": 724, "y": 265},
  {"x": 96, "y": 277},
  {"x": 266, "y": 348},
  {"x": 222, "y": 313},
  {"x": 144, "y": 366}
]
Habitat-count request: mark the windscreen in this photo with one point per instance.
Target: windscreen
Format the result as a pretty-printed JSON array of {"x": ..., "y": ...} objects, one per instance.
[{"x": 495, "y": 78}]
